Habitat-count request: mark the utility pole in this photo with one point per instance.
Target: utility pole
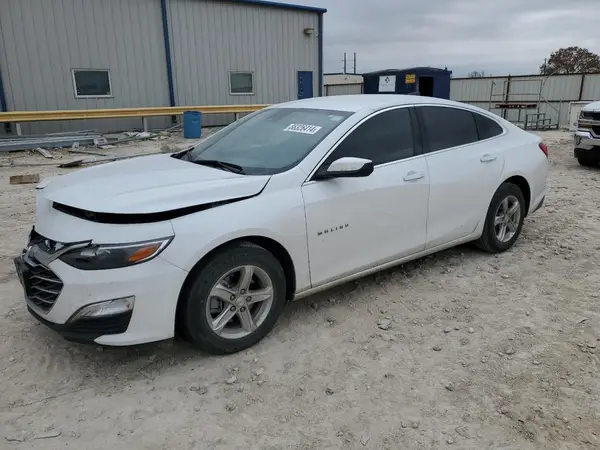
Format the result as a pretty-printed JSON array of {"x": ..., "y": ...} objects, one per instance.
[
  {"x": 354, "y": 71},
  {"x": 344, "y": 63}
]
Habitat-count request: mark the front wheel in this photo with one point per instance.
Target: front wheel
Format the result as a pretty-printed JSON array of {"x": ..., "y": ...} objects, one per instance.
[
  {"x": 504, "y": 219},
  {"x": 234, "y": 300}
]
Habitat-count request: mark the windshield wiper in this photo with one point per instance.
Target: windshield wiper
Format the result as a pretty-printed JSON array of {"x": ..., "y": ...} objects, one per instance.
[{"x": 220, "y": 165}]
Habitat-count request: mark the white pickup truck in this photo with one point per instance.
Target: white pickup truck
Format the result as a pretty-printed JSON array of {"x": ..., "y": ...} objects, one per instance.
[{"x": 587, "y": 136}]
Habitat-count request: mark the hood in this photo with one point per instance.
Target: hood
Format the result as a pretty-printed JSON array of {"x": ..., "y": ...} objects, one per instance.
[
  {"x": 594, "y": 106},
  {"x": 148, "y": 184}
]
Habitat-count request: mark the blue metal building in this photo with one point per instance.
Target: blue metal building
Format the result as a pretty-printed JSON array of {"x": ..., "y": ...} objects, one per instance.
[{"x": 424, "y": 81}]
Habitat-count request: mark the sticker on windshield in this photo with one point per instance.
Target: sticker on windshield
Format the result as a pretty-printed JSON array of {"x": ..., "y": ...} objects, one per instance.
[
  {"x": 302, "y": 128},
  {"x": 335, "y": 118}
]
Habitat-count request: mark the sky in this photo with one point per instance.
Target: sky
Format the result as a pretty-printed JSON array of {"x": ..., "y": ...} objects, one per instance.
[{"x": 496, "y": 36}]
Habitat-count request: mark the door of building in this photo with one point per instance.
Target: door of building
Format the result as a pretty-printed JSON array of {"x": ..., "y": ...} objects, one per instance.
[{"x": 305, "y": 84}]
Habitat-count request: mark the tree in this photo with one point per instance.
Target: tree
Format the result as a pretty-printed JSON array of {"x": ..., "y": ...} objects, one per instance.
[
  {"x": 476, "y": 74},
  {"x": 571, "y": 60}
]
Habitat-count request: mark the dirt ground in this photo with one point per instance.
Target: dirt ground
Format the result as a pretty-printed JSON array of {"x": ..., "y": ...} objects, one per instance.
[{"x": 483, "y": 352}]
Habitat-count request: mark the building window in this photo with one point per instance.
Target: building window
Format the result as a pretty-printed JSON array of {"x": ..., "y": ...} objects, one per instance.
[
  {"x": 91, "y": 83},
  {"x": 241, "y": 83}
]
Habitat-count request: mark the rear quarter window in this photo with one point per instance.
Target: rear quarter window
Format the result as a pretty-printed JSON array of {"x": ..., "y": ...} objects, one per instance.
[{"x": 487, "y": 128}]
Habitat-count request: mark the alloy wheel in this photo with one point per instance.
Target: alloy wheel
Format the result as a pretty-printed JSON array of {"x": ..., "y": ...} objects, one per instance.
[
  {"x": 507, "y": 218},
  {"x": 239, "y": 302}
]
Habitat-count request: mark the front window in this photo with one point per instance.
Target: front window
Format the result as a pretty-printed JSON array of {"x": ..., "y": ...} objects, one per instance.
[{"x": 269, "y": 141}]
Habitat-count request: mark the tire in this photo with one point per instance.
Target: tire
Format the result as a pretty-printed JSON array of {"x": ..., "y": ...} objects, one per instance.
[
  {"x": 196, "y": 313},
  {"x": 490, "y": 238},
  {"x": 586, "y": 162}
]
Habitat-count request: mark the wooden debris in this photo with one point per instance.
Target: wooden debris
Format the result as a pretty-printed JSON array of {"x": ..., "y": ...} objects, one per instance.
[
  {"x": 76, "y": 163},
  {"x": 25, "y": 179},
  {"x": 86, "y": 152},
  {"x": 92, "y": 160}
]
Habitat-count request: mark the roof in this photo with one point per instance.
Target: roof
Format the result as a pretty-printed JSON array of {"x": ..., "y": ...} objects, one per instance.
[
  {"x": 410, "y": 69},
  {"x": 281, "y": 5},
  {"x": 358, "y": 102}
]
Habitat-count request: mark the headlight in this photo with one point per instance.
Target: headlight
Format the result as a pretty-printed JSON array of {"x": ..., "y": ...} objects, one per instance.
[{"x": 113, "y": 256}]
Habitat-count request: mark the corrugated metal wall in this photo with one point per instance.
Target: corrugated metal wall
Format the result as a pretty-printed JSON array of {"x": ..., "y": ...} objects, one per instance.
[
  {"x": 42, "y": 40},
  {"x": 211, "y": 38},
  {"x": 343, "y": 89},
  {"x": 558, "y": 91}
]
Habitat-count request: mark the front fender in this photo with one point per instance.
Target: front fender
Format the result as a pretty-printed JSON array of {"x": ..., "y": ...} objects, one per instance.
[{"x": 278, "y": 216}]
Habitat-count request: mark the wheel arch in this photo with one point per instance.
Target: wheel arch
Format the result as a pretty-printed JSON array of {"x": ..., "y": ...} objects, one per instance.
[
  {"x": 522, "y": 183},
  {"x": 269, "y": 244}
]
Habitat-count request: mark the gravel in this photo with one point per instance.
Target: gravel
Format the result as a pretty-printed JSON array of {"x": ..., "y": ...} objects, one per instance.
[{"x": 119, "y": 399}]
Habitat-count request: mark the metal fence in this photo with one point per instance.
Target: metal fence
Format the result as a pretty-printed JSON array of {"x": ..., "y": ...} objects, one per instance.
[{"x": 553, "y": 94}]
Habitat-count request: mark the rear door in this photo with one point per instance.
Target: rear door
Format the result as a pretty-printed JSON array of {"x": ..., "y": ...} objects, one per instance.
[
  {"x": 357, "y": 223},
  {"x": 464, "y": 168}
]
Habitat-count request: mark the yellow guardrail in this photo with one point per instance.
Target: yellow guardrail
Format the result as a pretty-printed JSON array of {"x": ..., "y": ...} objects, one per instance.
[{"x": 119, "y": 113}]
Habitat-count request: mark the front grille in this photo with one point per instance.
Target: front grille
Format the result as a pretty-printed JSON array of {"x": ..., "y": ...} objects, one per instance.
[
  {"x": 42, "y": 287},
  {"x": 594, "y": 115},
  {"x": 596, "y": 130}
]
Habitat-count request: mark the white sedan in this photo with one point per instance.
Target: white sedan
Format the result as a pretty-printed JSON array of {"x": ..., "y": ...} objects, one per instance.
[{"x": 215, "y": 240}]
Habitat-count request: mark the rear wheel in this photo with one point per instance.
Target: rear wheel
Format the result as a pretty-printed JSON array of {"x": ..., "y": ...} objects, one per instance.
[
  {"x": 504, "y": 219},
  {"x": 234, "y": 300}
]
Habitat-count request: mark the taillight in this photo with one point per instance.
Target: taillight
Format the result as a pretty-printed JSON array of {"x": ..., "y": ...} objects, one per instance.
[{"x": 544, "y": 148}]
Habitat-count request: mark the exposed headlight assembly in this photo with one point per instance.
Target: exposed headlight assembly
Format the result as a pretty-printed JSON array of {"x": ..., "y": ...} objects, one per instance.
[{"x": 114, "y": 256}]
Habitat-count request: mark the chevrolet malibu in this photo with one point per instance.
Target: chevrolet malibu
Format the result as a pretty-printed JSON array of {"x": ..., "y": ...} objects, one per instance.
[{"x": 214, "y": 241}]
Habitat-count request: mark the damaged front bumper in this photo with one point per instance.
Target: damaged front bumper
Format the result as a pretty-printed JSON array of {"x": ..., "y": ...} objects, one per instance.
[
  {"x": 126, "y": 306},
  {"x": 88, "y": 330}
]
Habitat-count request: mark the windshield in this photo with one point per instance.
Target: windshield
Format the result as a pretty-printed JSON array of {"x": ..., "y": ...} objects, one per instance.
[{"x": 269, "y": 141}]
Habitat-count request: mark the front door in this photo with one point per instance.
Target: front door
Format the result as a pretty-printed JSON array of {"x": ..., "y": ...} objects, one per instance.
[
  {"x": 305, "y": 84},
  {"x": 357, "y": 223}
]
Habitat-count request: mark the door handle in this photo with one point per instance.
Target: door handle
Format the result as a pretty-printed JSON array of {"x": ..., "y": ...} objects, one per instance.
[
  {"x": 413, "y": 176},
  {"x": 487, "y": 158}
]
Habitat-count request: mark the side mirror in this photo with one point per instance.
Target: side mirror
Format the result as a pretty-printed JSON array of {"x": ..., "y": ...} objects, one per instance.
[{"x": 347, "y": 167}]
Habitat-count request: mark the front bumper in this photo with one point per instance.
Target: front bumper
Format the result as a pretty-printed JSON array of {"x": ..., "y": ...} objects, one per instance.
[
  {"x": 87, "y": 331},
  {"x": 155, "y": 285},
  {"x": 586, "y": 140}
]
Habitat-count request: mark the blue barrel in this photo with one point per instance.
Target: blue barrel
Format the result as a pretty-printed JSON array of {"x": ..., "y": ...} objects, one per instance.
[{"x": 192, "y": 124}]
